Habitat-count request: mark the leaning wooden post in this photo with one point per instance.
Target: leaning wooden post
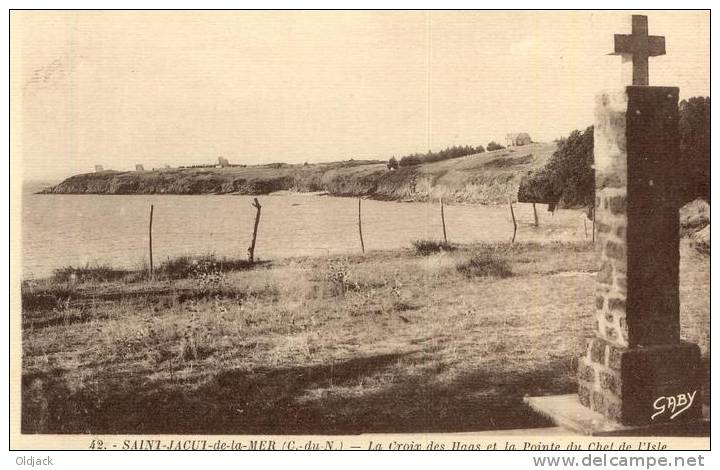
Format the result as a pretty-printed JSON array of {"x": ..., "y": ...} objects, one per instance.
[
  {"x": 150, "y": 233},
  {"x": 512, "y": 213},
  {"x": 251, "y": 250},
  {"x": 442, "y": 216},
  {"x": 362, "y": 243},
  {"x": 535, "y": 215}
]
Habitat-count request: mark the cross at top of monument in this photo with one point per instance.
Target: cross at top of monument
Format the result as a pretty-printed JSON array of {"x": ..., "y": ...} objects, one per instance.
[{"x": 639, "y": 46}]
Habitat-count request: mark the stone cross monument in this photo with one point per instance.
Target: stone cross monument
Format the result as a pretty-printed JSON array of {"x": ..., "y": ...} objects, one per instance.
[
  {"x": 637, "y": 47},
  {"x": 635, "y": 371}
]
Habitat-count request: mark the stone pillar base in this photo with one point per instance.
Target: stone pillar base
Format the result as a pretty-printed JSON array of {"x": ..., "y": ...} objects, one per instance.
[
  {"x": 641, "y": 385},
  {"x": 567, "y": 412}
]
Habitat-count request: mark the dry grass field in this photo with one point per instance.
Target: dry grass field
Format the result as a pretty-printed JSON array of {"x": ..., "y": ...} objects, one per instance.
[{"x": 388, "y": 342}]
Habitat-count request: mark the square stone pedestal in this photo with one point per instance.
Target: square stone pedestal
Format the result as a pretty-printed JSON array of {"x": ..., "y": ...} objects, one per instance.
[
  {"x": 641, "y": 391},
  {"x": 641, "y": 385},
  {"x": 567, "y": 412}
]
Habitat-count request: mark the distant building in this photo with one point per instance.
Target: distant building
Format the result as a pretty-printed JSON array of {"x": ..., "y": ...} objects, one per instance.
[
  {"x": 98, "y": 168},
  {"x": 223, "y": 162},
  {"x": 516, "y": 140},
  {"x": 139, "y": 167}
]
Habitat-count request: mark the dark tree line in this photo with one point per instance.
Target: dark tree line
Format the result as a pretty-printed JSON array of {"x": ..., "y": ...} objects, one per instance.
[
  {"x": 568, "y": 179},
  {"x": 456, "y": 151},
  {"x": 695, "y": 147},
  {"x": 494, "y": 146}
]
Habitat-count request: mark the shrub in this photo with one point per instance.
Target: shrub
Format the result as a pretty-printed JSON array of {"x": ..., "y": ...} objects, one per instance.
[
  {"x": 338, "y": 276},
  {"x": 568, "y": 177},
  {"x": 187, "y": 266},
  {"x": 209, "y": 276},
  {"x": 393, "y": 164},
  {"x": 485, "y": 264},
  {"x": 538, "y": 186},
  {"x": 494, "y": 146},
  {"x": 175, "y": 268},
  {"x": 410, "y": 160},
  {"x": 88, "y": 273},
  {"x": 427, "y": 247}
]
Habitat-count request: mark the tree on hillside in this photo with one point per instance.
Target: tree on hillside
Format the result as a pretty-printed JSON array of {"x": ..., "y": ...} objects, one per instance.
[
  {"x": 410, "y": 160},
  {"x": 456, "y": 151},
  {"x": 392, "y": 164},
  {"x": 494, "y": 146},
  {"x": 695, "y": 147},
  {"x": 568, "y": 177},
  {"x": 572, "y": 165}
]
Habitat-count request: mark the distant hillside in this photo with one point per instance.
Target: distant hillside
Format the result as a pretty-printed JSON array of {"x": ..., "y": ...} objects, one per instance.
[{"x": 489, "y": 177}]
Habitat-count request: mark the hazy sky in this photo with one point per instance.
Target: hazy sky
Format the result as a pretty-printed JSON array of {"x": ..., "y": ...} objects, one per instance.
[{"x": 119, "y": 88}]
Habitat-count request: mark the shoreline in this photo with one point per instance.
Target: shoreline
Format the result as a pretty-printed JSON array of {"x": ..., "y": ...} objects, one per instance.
[
  {"x": 293, "y": 193},
  {"x": 485, "y": 178}
]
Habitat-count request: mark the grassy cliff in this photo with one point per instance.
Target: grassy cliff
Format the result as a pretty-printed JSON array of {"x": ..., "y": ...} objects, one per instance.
[{"x": 489, "y": 177}]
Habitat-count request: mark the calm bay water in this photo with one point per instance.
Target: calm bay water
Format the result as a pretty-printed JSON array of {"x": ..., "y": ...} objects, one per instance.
[{"x": 62, "y": 230}]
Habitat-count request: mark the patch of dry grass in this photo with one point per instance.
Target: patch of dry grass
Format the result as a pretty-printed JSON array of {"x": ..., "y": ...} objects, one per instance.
[
  {"x": 89, "y": 273},
  {"x": 485, "y": 264},
  {"x": 427, "y": 247},
  {"x": 388, "y": 342}
]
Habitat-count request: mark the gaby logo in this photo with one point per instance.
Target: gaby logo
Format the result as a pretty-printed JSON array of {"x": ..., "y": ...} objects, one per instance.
[{"x": 675, "y": 404}]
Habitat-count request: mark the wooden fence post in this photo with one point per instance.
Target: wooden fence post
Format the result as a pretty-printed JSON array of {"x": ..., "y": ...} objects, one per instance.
[
  {"x": 535, "y": 215},
  {"x": 442, "y": 216},
  {"x": 512, "y": 213},
  {"x": 251, "y": 250},
  {"x": 362, "y": 243},
  {"x": 152, "y": 274}
]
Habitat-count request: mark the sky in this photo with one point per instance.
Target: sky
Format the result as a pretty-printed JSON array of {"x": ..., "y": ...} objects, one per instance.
[{"x": 181, "y": 88}]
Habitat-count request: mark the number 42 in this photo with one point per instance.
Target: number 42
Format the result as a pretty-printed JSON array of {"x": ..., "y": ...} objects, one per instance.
[{"x": 97, "y": 444}]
